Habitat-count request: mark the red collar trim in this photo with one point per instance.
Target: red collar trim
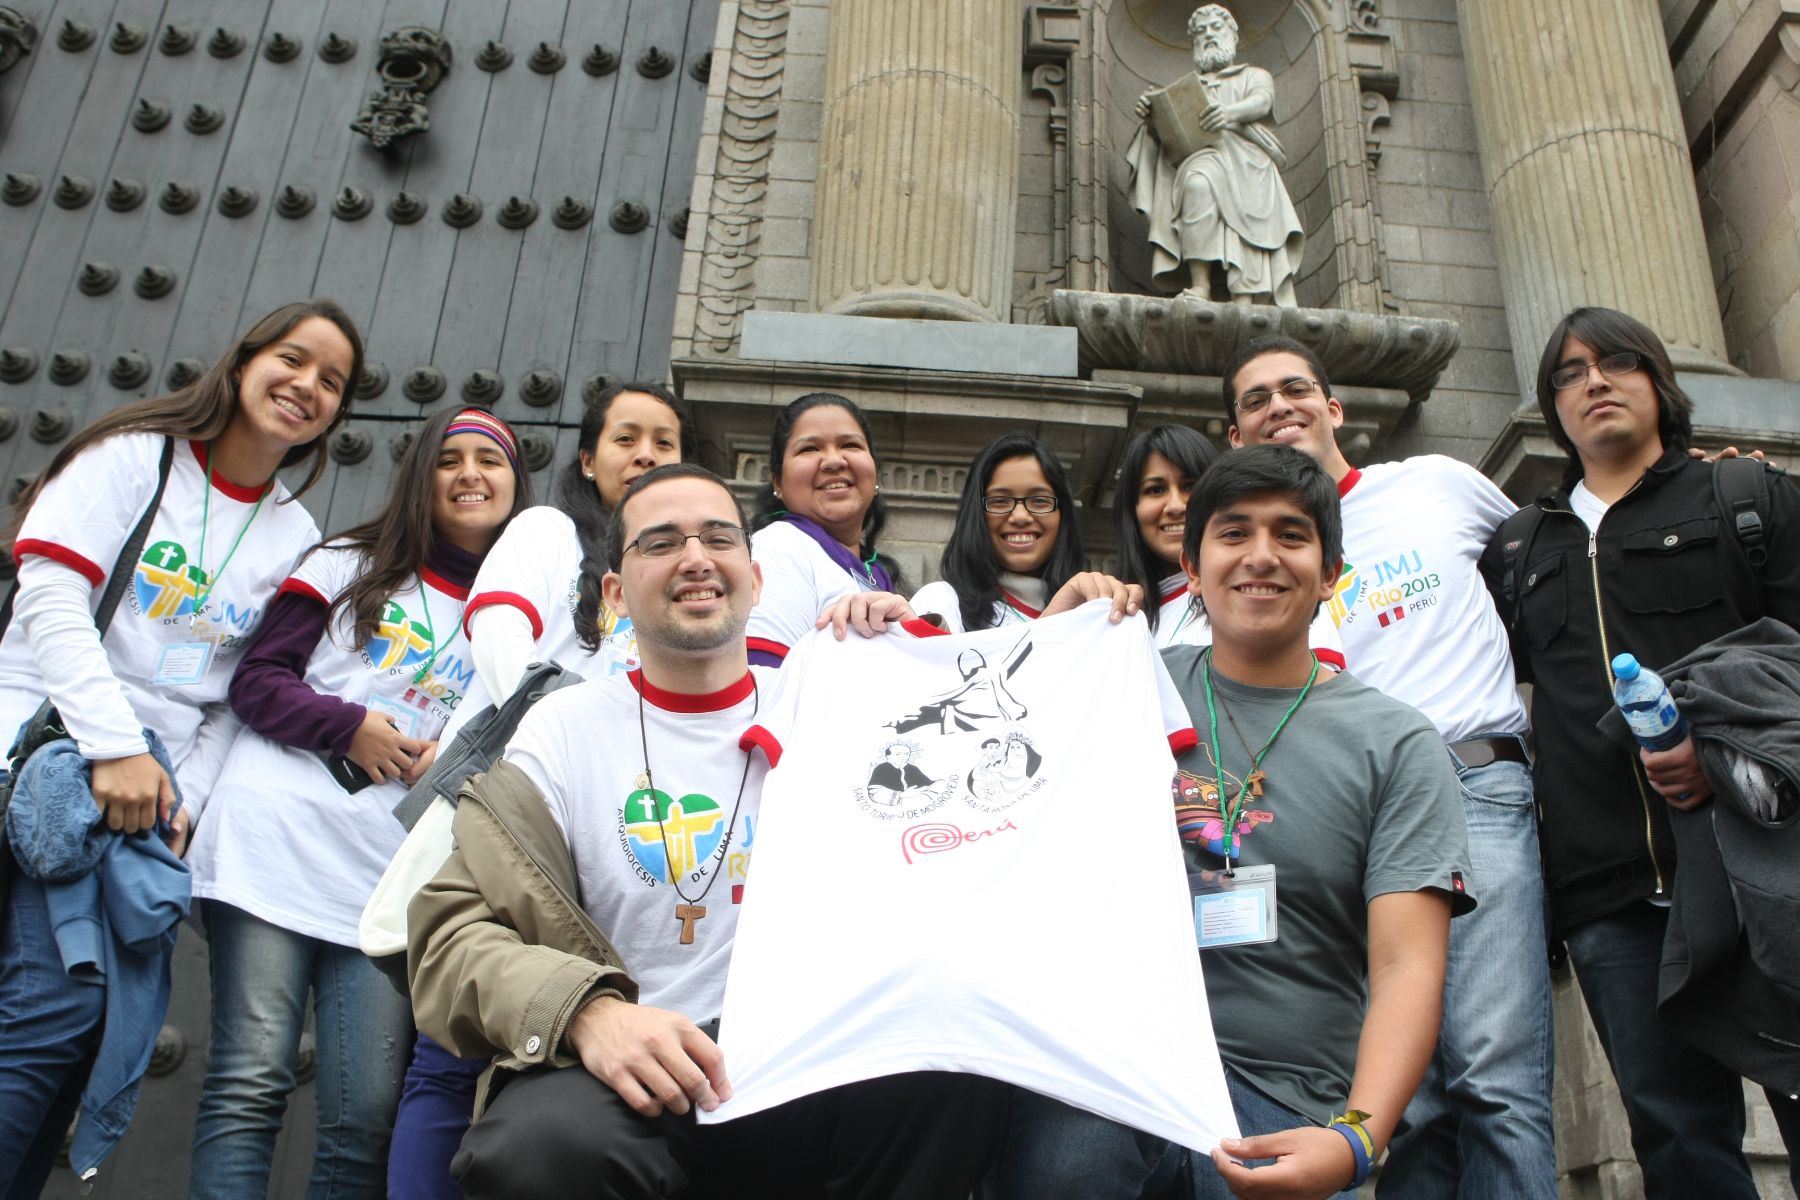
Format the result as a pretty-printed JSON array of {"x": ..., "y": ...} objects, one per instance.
[
  {"x": 224, "y": 486},
  {"x": 687, "y": 702},
  {"x": 921, "y": 628},
  {"x": 1018, "y": 604},
  {"x": 1348, "y": 482},
  {"x": 1179, "y": 589},
  {"x": 439, "y": 583}
]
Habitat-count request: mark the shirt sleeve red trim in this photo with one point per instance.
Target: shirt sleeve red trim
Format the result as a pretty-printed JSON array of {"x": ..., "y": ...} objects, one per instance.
[
  {"x": 1023, "y": 608},
  {"x": 512, "y": 600},
  {"x": 767, "y": 647},
  {"x": 300, "y": 587},
  {"x": 438, "y": 583},
  {"x": 62, "y": 554},
  {"x": 1331, "y": 658},
  {"x": 757, "y": 736},
  {"x": 1348, "y": 482},
  {"x": 689, "y": 702},
  {"x": 224, "y": 486},
  {"x": 920, "y": 627},
  {"x": 1183, "y": 740}
]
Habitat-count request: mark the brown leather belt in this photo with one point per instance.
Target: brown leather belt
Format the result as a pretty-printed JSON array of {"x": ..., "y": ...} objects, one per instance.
[{"x": 1479, "y": 752}]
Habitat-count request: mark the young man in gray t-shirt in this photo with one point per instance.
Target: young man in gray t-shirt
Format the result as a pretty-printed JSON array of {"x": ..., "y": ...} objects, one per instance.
[{"x": 1339, "y": 815}]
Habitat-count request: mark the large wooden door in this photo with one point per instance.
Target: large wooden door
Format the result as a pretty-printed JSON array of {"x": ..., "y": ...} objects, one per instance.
[{"x": 176, "y": 168}]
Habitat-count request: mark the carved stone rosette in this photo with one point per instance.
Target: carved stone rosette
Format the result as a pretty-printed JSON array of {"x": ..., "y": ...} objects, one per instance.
[
  {"x": 412, "y": 61},
  {"x": 740, "y": 180}
]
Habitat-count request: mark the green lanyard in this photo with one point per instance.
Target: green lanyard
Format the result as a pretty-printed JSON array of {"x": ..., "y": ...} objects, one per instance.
[
  {"x": 205, "y": 519},
  {"x": 1231, "y": 812},
  {"x": 430, "y": 632}
]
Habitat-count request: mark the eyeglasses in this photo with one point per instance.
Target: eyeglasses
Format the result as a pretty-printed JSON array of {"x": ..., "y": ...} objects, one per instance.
[
  {"x": 1002, "y": 506},
  {"x": 1293, "y": 389},
  {"x": 1610, "y": 366},
  {"x": 666, "y": 543}
]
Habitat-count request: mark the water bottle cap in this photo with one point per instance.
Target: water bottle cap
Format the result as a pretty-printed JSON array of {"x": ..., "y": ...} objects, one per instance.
[{"x": 1625, "y": 666}]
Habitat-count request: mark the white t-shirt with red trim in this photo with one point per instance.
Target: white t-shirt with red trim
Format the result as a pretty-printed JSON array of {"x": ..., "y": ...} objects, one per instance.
[
  {"x": 535, "y": 568},
  {"x": 1415, "y": 616},
  {"x": 940, "y": 598},
  {"x": 164, "y": 660},
  {"x": 965, "y": 862},
  {"x": 1180, "y": 622},
  {"x": 582, "y": 748},
  {"x": 798, "y": 580},
  {"x": 281, "y": 839}
]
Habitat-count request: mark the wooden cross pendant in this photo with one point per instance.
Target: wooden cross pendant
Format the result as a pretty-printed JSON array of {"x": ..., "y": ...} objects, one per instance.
[
  {"x": 1256, "y": 783},
  {"x": 687, "y": 914}
]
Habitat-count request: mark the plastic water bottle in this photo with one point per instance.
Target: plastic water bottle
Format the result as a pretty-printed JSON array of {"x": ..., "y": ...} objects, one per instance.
[{"x": 1649, "y": 709}]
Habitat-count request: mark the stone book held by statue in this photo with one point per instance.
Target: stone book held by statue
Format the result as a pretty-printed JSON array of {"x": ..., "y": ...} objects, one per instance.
[{"x": 1175, "y": 113}]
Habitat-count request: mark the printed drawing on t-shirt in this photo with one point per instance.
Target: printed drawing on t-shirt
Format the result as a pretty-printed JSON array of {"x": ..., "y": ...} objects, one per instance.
[
  {"x": 166, "y": 584},
  {"x": 1199, "y": 817},
  {"x": 1344, "y": 596},
  {"x": 398, "y": 640},
  {"x": 667, "y": 837},
  {"x": 1007, "y": 772},
  {"x": 898, "y": 780},
  {"x": 979, "y": 700}
]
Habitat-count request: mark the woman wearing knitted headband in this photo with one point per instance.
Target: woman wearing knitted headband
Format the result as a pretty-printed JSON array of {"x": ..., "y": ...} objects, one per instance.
[{"x": 345, "y": 688}]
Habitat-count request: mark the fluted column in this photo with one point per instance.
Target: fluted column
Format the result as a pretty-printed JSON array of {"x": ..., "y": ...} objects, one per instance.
[
  {"x": 918, "y": 159},
  {"x": 1588, "y": 172}
]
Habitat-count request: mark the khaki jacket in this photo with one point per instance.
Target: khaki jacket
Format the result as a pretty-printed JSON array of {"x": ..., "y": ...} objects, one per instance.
[{"x": 501, "y": 956}]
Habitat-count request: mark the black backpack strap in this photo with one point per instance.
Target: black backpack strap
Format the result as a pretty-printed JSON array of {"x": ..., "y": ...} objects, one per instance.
[
  {"x": 1515, "y": 535},
  {"x": 128, "y": 554},
  {"x": 1741, "y": 492}
]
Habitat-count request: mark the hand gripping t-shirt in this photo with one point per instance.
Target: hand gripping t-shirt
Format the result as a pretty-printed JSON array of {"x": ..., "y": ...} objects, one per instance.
[
  {"x": 1415, "y": 616},
  {"x": 192, "y": 603},
  {"x": 643, "y": 852},
  {"x": 535, "y": 568},
  {"x": 281, "y": 839},
  {"x": 798, "y": 580},
  {"x": 965, "y": 863},
  {"x": 1181, "y": 622},
  {"x": 1357, "y": 799}
]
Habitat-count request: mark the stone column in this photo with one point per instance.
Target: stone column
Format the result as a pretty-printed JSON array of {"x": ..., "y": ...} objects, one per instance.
[
  {"x": 918, "y": 160},
  {"x": 1588, "y": 172}
]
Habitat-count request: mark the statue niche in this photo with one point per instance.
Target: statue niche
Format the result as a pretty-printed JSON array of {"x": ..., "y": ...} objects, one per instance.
[{"x": 1205, "y": 168}]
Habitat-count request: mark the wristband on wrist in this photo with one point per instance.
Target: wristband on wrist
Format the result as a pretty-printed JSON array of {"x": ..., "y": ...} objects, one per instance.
[{"x": 1362, "y": 1146}]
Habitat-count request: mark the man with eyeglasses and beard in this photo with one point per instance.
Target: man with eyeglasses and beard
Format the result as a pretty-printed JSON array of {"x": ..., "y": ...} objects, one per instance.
[
  {"x": 1631, "y": 554},
  {"x": 1417, "y": 623},
  {"x": 580, "y": 932}
]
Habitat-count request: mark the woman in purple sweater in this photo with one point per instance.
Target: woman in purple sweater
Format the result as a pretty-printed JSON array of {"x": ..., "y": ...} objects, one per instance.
[{"x": 345, "y": 688}]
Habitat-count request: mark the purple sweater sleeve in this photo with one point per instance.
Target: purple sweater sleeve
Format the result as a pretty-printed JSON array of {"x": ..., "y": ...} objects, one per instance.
[{"x": 269, "y": 690}]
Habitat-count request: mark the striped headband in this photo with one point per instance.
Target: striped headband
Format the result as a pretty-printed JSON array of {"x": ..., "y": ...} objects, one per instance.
[{"x": 479, "y": 420}]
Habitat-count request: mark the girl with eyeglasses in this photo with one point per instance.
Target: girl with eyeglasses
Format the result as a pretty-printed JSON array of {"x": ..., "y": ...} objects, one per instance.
[
  {"x": 1015, "y": 541},
  {"x": 344, "y": 689},
  {"x": 817, "y": 523}
]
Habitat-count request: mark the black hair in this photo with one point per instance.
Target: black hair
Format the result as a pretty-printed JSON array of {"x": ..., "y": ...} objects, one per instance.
[
  {"x": 615, "y": 530},
  {"x": 969, "y": 564},
  {"x": 1273, "y": 343},
  {"x": 1260, "y": 470},
  {"x": 1190, "y": 454},
  {"x": 1610, "y": 331},
  {"x": 579, "y": 497},
  {"x": 769, "y": 505}
]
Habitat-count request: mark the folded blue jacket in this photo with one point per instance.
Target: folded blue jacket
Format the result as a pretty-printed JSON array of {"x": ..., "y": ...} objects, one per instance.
[{"x": 115, "y": 903}]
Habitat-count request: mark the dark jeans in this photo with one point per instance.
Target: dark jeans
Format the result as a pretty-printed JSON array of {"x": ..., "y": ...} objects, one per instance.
[
  {"x": 436, "y": 1102},
  {"x": 921, "y": 1136},
  {"x": 1686, "y": 1110}
]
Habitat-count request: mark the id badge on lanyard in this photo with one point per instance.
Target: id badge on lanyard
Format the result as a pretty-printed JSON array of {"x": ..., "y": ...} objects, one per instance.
[
  {"x": 405, "y": 717},
  {"x": 182, "y": 664},
  {"x": 1234, "y": 909}
]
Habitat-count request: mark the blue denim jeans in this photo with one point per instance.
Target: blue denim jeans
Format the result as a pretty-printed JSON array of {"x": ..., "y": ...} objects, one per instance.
[
  {"x": 1686, "y": 1110},
  {"x": 261, "y": 974},
  {"x": 1056, "y": 1152},
  {"x": 49, "y": 1029},
  {"x": 435, "y": 1109},
  {"x": 1480, "y": 1126}
]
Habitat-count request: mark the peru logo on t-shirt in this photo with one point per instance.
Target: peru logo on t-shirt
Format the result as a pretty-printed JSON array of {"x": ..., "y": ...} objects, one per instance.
[
  {"x": 398, "y": 640},
  {"x": 165, "y": 583},
  {"x": 682, "y": 842}
]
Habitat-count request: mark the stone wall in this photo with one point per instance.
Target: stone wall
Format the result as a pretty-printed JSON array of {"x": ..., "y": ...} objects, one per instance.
[{"x": 1737, "y": 69}]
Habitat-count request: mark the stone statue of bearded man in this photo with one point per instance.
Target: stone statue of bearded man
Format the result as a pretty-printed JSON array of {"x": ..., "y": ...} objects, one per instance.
[{"x": 1205, "y": 168}]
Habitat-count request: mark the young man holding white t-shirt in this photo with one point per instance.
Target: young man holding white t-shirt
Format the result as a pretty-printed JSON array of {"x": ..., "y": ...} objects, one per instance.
[
  {"x": 1417, "y": 623},
  {"x": 597, "y": 1037}
]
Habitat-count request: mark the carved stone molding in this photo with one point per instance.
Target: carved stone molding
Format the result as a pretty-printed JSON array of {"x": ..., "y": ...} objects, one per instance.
[
  {"x": 411, "y": 62},
  {"x": 925, "y": 479},
  {"x": 1376, "y": 116},
  {"x": 740, "y": 177},
  {"x": 1054, "y": 35}
]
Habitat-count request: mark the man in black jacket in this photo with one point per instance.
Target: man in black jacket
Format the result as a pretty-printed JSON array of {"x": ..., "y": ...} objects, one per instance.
[{"x": 1630, "y": 554}]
